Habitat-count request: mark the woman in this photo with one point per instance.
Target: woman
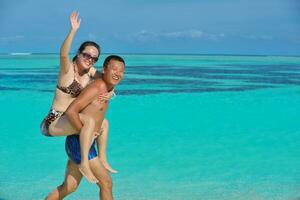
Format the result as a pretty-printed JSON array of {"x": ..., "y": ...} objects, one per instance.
[{"x": 73, "y": 77}]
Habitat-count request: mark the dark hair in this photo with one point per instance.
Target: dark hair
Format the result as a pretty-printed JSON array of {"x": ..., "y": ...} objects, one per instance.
[
  {"x": 85, "y": 44},
  {"x": 112, "y": 57}
]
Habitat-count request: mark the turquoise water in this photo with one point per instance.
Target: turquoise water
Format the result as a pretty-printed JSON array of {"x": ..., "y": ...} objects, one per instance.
[{"x": 181, "y": 128}]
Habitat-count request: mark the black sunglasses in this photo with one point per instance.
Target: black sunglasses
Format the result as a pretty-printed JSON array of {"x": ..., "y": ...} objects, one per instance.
[{"x": 88, "y": 57}]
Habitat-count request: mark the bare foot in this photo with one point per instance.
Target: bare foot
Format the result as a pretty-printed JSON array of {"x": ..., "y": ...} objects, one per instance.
[
  {"x": 107, "y": 166},
  {"x": 87, "y": 173}
]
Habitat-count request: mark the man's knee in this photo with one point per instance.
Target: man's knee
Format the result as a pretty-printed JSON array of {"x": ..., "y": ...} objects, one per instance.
[
  {"x": 70, "y": 186},
  {"x": 106, "y": 182}
]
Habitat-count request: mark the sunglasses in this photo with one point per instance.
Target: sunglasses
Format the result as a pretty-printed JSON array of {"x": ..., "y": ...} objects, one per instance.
[{"x": 89, "y": 57}]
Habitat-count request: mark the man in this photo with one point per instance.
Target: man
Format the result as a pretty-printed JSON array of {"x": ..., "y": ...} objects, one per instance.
[{"x": 88, "y": 103}]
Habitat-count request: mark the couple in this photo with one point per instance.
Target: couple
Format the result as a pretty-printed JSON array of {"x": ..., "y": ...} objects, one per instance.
[{"x": 80, "y": 102}]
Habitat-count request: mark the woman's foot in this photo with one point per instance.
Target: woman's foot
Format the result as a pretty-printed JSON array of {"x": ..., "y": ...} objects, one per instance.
[
  {"x": 107, "y": 166},
  {"x": 87, "y": 173}
]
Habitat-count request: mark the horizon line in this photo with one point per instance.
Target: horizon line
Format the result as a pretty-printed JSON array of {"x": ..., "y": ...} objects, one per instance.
[{"x": 187, "y": 54}]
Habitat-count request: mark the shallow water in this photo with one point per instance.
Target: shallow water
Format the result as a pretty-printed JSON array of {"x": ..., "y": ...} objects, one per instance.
[{"x": 181, "y": 127}]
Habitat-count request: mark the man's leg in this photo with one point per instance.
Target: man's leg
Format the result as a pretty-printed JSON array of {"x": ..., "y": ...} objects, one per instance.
[
  {"x": 70, "y": 184},
  {"x": 105, "y": 182}
]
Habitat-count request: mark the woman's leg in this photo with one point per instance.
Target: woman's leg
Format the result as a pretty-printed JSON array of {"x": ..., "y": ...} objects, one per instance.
[
  {"x": 86, "y": 139},
  {"x": 102, "y": 145},
  {"x": 62, "y": 127},
  {"x": 105, "y": 181},
  {"x": 70, "y": 184}
]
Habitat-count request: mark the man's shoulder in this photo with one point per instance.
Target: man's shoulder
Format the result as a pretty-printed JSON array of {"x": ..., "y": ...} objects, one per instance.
[{"x": 98, "y": 85}]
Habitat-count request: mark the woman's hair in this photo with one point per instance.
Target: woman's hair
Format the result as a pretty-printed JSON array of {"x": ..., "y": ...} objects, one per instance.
[
  {"x": 112, "y": 57},
  {"x": 85, "y": 44}
]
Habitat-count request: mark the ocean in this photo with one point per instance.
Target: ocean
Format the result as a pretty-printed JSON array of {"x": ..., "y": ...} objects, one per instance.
[{"x": 182, "y": 127}]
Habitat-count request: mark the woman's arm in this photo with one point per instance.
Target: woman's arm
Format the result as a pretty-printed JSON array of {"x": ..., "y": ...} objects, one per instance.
[{"x": 65, "y": 48}]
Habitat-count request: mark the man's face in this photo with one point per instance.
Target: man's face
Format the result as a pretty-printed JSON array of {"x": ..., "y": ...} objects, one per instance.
[{"x": 114, "y": 72}]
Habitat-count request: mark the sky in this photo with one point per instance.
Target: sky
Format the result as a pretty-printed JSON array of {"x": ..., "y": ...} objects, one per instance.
[{"x": 256, "y": 27}]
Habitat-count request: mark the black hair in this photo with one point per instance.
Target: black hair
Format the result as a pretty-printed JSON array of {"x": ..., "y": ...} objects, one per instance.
[
  {"x": 112, "y": 57},
  {"x": 85, "y": 44}
]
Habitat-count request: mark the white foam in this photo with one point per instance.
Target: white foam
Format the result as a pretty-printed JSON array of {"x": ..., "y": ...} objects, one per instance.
[{"x": 20, "y": 54}]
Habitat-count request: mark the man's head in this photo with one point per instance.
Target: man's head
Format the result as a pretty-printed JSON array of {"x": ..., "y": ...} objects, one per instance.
[{"x": 113, "y": 69}]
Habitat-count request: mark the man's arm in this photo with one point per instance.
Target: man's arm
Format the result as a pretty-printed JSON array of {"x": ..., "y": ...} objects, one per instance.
[{"x": 83, "y": 100}]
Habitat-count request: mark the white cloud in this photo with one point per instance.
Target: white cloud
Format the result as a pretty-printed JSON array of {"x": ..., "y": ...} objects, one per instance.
[
  {"x": 12, "y": 38},
  {"x": 193, "y": 34},
  {"x": 258, "y": 37},
  {"x": 146, "y": 36},
  {"x": 215, "y": 37}
]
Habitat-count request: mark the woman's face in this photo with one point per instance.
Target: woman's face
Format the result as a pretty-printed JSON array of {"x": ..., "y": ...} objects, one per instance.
[
  {"x": 88, "y": 57},
  {"x": 114, "y": 72}
]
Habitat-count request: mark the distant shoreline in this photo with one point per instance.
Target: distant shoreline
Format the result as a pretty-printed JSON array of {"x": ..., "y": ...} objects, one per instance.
[{"x": 154, "y": 54}]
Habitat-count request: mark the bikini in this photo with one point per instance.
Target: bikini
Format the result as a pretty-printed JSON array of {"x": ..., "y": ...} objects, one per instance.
[{"x": 73, "y": 89}]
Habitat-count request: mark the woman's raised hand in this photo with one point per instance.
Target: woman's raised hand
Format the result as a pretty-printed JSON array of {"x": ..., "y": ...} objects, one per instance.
[{"x": 75, "y": 20}]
